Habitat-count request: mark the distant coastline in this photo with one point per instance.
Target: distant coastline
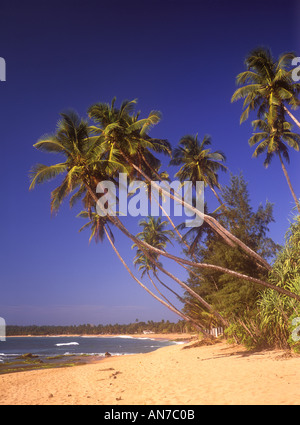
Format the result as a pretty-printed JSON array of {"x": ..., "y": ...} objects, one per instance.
[
  {"x": 160, "y": 336},
  {"x": 137, "y": 329}
]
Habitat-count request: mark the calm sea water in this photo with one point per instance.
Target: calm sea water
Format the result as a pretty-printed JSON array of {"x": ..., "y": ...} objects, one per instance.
[{"x": 53, "y": 346}]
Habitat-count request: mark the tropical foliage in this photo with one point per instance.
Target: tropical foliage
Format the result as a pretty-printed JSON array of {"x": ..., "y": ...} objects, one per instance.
[
  {"x": 228, "y": 259},
  {"x": 276, "y": 313}
]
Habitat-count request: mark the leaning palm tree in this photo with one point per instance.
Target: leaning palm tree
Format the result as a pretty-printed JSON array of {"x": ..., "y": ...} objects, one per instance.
[
  {"x": 267, "y": 85},
  {"x": 198, "y": 163},
  {"x": 275, "y": 141}
]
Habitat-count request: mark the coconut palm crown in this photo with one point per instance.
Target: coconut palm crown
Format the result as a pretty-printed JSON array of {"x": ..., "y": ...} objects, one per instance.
[{"x": 267, "y": 85}]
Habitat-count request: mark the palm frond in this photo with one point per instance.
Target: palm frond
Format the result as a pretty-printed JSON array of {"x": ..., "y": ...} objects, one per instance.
[{"x": 41, "y": 173}]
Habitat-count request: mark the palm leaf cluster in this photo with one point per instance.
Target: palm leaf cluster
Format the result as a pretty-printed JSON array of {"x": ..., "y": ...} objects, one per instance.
[{"x": 158, "y": 236}]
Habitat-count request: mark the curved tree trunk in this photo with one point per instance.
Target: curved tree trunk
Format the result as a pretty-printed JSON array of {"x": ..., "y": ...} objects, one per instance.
[
  {"x": 291, "y": 116},
  {"x": 165, "y": 298},
  {"x": 218, "y": 198},
  {"x": 175, "y": 293},
  {"x": 162, "y": 295}
]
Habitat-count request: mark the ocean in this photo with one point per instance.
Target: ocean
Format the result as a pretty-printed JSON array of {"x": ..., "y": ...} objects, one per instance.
[{"x": 45, "y": 347}]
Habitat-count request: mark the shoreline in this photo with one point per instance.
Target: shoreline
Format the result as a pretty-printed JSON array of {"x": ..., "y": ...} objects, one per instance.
[
  {"x": 169, "y": 336},
  {"x": 173, "y": 375},
  {"x": 34, "y": 362}
]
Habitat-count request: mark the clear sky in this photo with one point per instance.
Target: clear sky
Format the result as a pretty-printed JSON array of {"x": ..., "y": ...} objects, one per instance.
[{"x": 179, "y": 57}]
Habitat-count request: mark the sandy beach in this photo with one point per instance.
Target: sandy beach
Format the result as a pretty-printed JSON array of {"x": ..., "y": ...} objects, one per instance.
[{"x": 216, "y": 374}]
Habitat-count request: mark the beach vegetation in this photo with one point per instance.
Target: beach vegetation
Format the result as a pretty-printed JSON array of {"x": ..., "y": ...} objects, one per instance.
[
  {"x": 228, "y": 259},
  {"x": 234, "y": 298}
]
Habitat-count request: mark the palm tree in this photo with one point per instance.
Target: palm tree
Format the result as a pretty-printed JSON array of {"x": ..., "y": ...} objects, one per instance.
[
  {"x": 198, "y": 163},
  {"x": 84, "y": 165},
  {"x": 275, "y": 141},
  {"x": 70, "y": 140},
  {"x": 96, "y": 224},
  {"x": 267, "y": 85}
]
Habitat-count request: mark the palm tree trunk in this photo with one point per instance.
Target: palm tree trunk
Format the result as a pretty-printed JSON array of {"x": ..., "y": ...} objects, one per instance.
[
  {"x": 162, "y": 295},
  {"x": 175, "y": 293},
  {"x": 218, "y": 198},
  {"x": 186, "y": 318},
  {"x": 289, "y": 183},
  {"x": 292, "y": 116},
  {"x": 179, "y": 234}
]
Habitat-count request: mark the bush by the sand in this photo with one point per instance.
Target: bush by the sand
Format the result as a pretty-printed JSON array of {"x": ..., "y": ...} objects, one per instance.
[
  {"x": 276, "y": 322},
  {"x": 278, "y": 311}
]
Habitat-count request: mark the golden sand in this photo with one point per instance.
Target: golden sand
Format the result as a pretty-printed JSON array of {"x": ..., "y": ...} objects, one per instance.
[{"x": 217, "y": 374}]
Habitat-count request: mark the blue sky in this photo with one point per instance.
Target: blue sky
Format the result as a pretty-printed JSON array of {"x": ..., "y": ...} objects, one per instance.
[{"x": 179, "y": 57}]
